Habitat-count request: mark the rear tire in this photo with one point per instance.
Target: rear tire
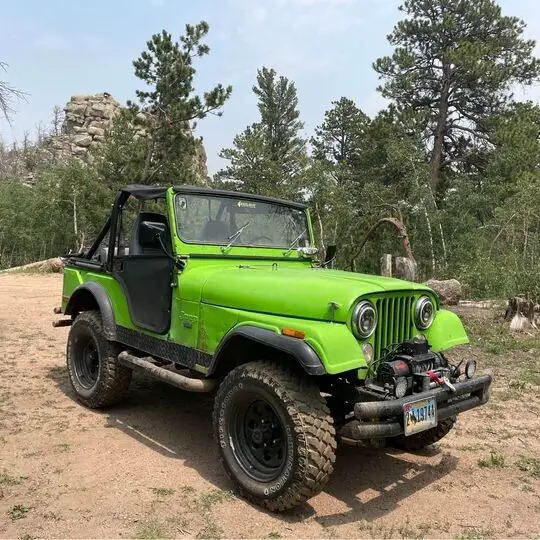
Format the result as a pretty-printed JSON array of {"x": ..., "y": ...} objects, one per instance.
[
  {"x": 275, "y": 433},
  {"x": 425, "y": 438},
  {"x": 92, "y": 361}
]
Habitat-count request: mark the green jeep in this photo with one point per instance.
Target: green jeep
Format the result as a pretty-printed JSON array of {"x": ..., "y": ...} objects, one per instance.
[{"x": 221, "y": 291}]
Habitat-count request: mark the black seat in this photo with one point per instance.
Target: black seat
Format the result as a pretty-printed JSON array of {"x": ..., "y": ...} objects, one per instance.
[{"x": 140, "y": 244}]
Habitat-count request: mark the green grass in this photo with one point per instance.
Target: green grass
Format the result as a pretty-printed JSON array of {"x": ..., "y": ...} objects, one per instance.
[
  {"x": 18, "y": 511},
  {"x": 151, "y": 530},
  {"x": 187, "y": 490},
  {"x": 494, "y": 461},
  {"x": 210, "y": 499},
  {"x": 64, "y": 447},
  {"x": 163, "y": 492},
  {"x": 530, "y": 465},
  {"x": 211, "y": 530},
  {"x": 7, "y": 480},
  {"x": 475, "y": 534}
]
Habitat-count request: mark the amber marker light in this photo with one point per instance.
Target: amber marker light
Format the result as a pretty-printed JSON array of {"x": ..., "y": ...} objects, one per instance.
[{"x": 291, "y": 332}]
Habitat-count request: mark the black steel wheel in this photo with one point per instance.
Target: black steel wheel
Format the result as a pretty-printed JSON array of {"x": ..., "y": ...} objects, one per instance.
[
  {"x": 92, "y": 361},
  {"x": 258, "y": 436},
  {"x": 86, "y": 361},
  {"x": 275, "y": 434}
]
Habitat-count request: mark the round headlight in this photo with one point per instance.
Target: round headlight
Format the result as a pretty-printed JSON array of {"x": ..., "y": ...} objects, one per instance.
[
  {"x": 424, "y": 313},
  {"x": 364, "y": 319}
]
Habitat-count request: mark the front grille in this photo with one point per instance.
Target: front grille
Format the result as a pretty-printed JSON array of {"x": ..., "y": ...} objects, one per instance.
[{"x": 394, "y": 322}]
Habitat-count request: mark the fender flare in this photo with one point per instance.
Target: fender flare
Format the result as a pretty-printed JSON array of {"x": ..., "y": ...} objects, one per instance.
[
  {"x": 104, "y": 303},
  {"x": 301, "y": 351}
]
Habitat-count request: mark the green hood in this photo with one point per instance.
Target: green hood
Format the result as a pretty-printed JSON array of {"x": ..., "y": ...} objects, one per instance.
[{"x": 301, "y": 292}]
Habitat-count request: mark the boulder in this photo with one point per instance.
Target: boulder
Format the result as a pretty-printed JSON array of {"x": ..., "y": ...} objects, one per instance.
[
  {"x": 80, "y": 97},
  {"x": 79, "y": 150},
  {"x": 448, "y": 290},
  {"x": 97, "y": 109},
  {"x": 108, "y": 112},
  {"x": 92, "y": 130},
  {"x": 76, "y": 107},
  {"x": 82, "y": 139}
]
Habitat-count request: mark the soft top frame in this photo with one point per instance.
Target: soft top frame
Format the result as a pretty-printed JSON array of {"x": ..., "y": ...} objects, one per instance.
[{"x": 147, "y": 193}]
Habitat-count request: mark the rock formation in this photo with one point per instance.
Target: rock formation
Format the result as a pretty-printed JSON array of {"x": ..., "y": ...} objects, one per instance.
[{"x": 86, "y": 120}]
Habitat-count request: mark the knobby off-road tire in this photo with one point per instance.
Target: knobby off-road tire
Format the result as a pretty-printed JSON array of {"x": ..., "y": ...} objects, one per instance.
[
  {"x": 424, "y": 438},
  {"x": 306, "y": 435},
  {"x": 92, "y": 361}
]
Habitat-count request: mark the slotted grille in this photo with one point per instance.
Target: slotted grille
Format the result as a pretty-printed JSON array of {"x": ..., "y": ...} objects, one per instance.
[{"x": 394, "y": 322}]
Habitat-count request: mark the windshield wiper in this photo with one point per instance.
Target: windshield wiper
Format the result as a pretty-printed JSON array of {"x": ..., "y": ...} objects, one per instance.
[
  {"x": 294, "y": 242},
  {"x": 232, "y": 239}
]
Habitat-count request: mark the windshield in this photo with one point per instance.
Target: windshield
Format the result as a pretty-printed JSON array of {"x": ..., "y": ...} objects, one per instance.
[{"x": 212, "y": 219}]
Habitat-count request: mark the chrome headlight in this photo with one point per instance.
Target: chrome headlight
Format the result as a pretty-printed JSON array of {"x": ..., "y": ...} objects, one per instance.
[
  {"x": 424, "y": 313},
  {"x": 364, "y": 319}
]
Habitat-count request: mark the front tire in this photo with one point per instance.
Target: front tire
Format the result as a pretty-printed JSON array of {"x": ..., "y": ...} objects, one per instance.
[
  {"x": 97, "y": 377},
  {"x": 275, "y": 433}
]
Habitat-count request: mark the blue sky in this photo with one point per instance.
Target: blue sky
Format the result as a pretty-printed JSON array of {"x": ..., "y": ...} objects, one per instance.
[{"x": 58, "y": 48}]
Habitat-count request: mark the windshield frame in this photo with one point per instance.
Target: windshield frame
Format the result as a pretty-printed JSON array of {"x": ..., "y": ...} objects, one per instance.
[{"x": 221, "y": 194}]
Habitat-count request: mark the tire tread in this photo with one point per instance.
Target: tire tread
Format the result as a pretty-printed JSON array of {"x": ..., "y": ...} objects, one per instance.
[
  {"x": 115, "y": 378},
  {"x": 313, "y": 426}
]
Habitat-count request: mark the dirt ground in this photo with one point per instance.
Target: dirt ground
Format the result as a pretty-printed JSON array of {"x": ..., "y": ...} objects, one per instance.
[{"x": 149, "y": 468}]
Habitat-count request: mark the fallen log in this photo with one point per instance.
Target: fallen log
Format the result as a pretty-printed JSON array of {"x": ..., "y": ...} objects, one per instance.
[{"x": 47, "y": 266}]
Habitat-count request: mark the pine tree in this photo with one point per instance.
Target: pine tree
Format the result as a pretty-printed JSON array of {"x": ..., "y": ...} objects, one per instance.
[
  {"x": 340, "y": 137},
  {"x": 454, "y": 64},
  {"x": 168, "y": 108},
  {"x": 269, "y": 156}
]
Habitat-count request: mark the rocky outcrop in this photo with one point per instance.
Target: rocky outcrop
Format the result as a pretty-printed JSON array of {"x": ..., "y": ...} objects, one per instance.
[{"x": 86, "y": 119}]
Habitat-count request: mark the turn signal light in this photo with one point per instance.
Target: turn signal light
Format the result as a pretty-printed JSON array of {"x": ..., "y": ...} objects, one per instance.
[{"x": 291, "y": 332}]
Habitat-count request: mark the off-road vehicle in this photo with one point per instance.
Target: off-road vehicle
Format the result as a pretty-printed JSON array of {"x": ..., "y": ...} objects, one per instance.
[{"x": 222, "y": 291}]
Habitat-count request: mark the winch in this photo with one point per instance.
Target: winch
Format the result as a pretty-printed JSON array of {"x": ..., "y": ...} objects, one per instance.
[{"x": 411, "y": 366}]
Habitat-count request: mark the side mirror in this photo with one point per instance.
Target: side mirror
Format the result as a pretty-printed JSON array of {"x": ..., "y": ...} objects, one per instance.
[
  {"x": 330, "y": 256},
  {"x": 150, "y": 233}
]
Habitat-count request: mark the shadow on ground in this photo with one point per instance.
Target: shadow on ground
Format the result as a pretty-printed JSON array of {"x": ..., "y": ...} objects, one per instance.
[{"x": 178, "y": 424}]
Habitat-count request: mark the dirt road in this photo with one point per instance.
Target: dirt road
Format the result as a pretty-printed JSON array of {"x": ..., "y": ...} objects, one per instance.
[{"x": 149, "y": 468}]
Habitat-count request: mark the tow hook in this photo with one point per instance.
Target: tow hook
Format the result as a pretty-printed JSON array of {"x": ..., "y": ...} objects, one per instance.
[{"x": 441, "y": 381}]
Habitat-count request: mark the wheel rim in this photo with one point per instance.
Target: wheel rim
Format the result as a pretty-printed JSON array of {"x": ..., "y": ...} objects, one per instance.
[
  {"x": 86, "y": 362},
  {"x": 259, "y": 440}
]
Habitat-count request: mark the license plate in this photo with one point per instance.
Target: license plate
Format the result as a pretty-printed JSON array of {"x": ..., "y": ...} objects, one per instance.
[{"x": 419, "y": 415}]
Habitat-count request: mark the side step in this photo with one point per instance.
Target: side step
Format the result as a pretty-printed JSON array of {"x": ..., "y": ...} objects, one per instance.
[{"x": 175, "y": 379}]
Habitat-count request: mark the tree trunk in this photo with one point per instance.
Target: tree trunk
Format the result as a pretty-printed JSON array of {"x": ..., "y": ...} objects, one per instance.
[
  {"x": 440, "y": 130},
  {"x": 405, "y": 268},
  {"x": 522, "y": 313},
  {"x": 386, "y": 265}
]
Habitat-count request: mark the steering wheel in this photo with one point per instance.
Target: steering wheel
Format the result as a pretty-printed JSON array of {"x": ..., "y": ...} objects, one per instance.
[{"x": 262, "y": 237}]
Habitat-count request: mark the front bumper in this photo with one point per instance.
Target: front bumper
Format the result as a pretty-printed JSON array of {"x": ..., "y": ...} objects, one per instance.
[{"x": 381, "y": 419}]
